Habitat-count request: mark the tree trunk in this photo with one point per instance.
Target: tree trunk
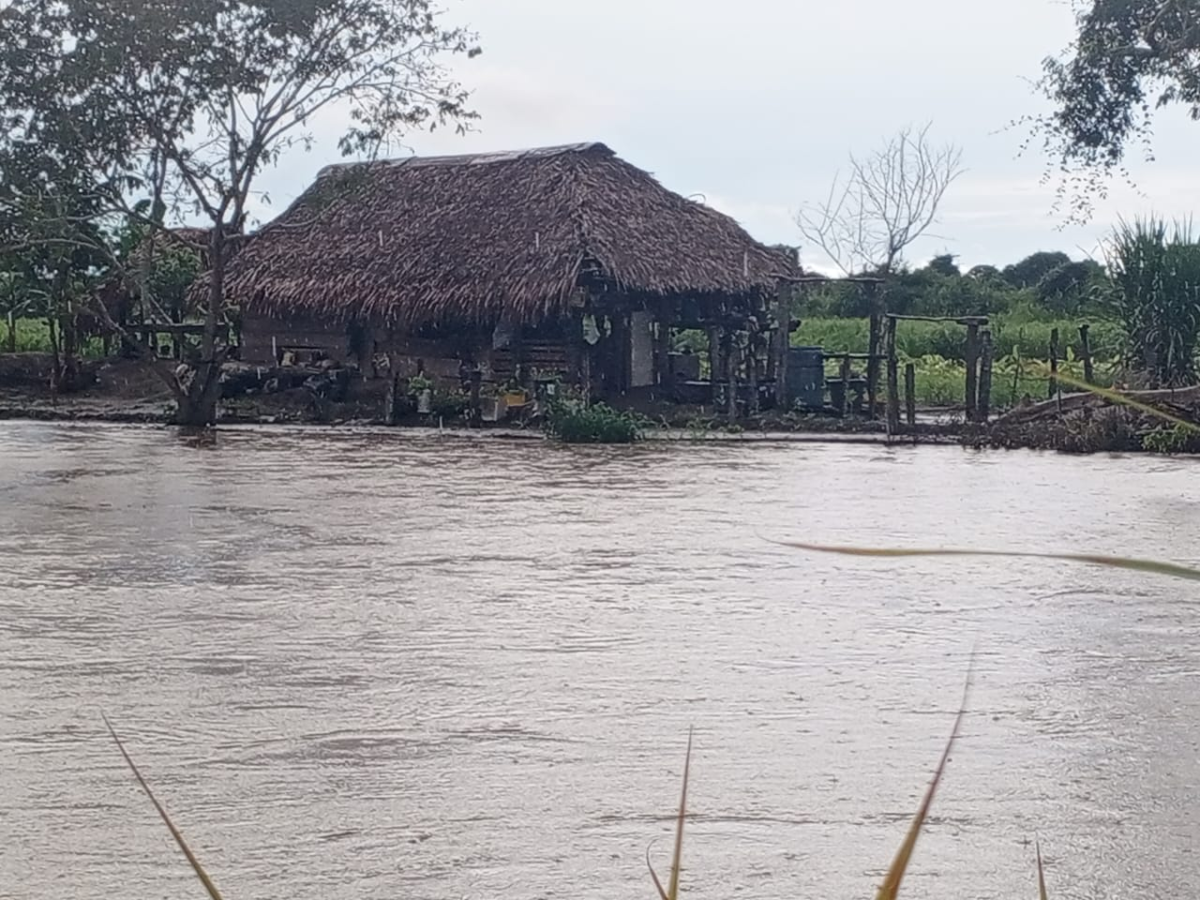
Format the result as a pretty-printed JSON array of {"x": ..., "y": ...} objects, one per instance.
[
  {"x": 69, "y": 375},
  {"x": 55, "y": 357},
  {"x": 199, "y": 408},
  {"x": 12, "y": 332}
]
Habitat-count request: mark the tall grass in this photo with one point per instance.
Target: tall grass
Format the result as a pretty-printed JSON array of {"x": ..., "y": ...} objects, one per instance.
[{"x": 1156, "y": 276}]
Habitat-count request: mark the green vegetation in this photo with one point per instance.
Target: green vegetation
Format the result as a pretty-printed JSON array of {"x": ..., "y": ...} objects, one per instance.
[
  {"x": 573, "y": 422},
  {"x": 1012, "y": 335},
  {"x": 1125, "y": 61},
  {"x": 33, "y": 336},
  {"x": 1025, "y": 302},
  {"x": 1156, "y": 281},
  {"x": 1172, "y": 439},
  {"x": 77, "y": 153},
  {"x": 936, "y": 350}
]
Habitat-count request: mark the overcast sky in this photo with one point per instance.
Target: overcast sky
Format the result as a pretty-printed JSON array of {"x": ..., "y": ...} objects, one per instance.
[{"x": 755, "y": 104}]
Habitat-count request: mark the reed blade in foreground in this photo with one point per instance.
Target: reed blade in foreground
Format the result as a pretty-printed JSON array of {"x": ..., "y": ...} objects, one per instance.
[
  {"x": 191, "y": 857},
  {"x": 1042, "y": 895},
  {"x": 672, "y": 891},
  {"x": 890, "y": 889},
  {"x": 1172, "y": 570}
]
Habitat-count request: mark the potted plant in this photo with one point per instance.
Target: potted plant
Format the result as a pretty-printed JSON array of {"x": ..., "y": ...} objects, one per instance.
[{"x": 420, "y": 387}]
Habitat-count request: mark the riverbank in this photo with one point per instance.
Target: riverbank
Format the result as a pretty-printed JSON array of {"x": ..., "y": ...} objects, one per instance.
[{"x": 123, "y": 391}]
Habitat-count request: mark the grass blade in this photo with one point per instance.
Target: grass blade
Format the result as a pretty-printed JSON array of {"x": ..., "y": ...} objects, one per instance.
[
  {"x": 890, "y": 888},
  {"x": 671, "y": 892},
  {"x": 1152, "y": 567},
  {"x": 191, "y": 857},
  {"x": 1041, "y": 873}
]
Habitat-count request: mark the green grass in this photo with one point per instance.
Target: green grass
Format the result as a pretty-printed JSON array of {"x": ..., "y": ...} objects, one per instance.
[
  {"x": 1010, "y": 335},
  {"x": 33, "y": 336},
  {"x": 942, "y": 382}
]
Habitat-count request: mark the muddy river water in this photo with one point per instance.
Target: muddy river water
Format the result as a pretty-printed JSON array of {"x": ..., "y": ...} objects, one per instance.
[{"x": 392, "y": 665}]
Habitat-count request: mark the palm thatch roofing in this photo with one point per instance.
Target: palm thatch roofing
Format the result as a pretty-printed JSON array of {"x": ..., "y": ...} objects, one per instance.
[{"x": 476, "y": 238}]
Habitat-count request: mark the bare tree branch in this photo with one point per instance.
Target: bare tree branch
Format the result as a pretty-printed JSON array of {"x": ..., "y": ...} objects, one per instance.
[{"x": 889, "y": 198}]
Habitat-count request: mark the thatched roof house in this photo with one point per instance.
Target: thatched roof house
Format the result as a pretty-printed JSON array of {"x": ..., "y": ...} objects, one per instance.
[
  {"x": 562, "y": 258},
  {"x": 475, "y": 238}
]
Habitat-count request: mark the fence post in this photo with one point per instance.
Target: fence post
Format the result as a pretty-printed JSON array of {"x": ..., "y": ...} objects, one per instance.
[
  {"x": 1085, "y": 353},
  {"x": 984, "y": 407},
  {"x": 845, "y": 376},
  {"x": 971, "y": 357},
  {"x": 910, "y": 395},
  {"x": 893, "y": 380},
  {"x": 1053, "y": 363},
  {"x": 873, "y": 365}
]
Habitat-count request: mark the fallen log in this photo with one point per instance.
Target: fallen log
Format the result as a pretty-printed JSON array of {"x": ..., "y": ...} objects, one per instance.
[{"x": 1046, "y": 409}]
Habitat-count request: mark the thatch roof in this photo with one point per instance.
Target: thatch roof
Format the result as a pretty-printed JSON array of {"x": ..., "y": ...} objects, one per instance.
[{"x": 472, "y": 238}]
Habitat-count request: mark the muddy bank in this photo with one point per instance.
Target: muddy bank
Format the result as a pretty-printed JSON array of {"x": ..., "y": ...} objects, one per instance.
[
  {"x": 125, "y": 391},
  {"x": 121, "y": 390}
]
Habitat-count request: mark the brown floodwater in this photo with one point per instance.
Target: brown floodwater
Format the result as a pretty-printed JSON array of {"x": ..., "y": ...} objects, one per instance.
[{"x": 394, "y": 665}]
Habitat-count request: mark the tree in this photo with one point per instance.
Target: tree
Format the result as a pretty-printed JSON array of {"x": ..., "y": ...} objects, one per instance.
[
  {"x": 185, "y": 102},
  {"x": 890, "y": 198},
  {"x": 1033, "y": 268},
  {"x": 1129, "y": 58},
  {"x": 1068, "y": 287},
  {"x": 944, "y": 264},
  {"x": 985, "y": 274},
  {"x": 55, "y": 248}
]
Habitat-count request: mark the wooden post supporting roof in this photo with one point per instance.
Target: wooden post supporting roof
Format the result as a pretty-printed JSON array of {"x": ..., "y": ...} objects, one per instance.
[
  {"x": 731, "y": 377},
  {"x": 783, "y": 325},
  {"x": 662, "y": 350},
  {"x": 715, "y": 367}
]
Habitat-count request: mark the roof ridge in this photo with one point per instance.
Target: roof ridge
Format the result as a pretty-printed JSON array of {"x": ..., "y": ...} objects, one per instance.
[{"x": 472, "y": 159}]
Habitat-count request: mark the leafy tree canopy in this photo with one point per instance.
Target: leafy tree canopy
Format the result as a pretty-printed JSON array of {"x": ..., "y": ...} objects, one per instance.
[
  {"x": 184, "y": 102},
  {"x": 1129, "y": 58},
  {"x": 943, "y": 265},
  {"x": 1034, "y": 268}
]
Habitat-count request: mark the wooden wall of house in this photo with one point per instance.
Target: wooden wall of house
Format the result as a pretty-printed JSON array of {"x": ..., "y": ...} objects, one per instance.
[
  {"x": 264, "y": 338},
  {"x": 439, "y": 360}
]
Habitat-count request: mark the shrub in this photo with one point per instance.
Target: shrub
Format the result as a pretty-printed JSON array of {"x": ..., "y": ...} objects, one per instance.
[
  {"x": 450, "y": 404},
  {"x": 1171, "y": 439},
  {"x": 573, "y": 422}
]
